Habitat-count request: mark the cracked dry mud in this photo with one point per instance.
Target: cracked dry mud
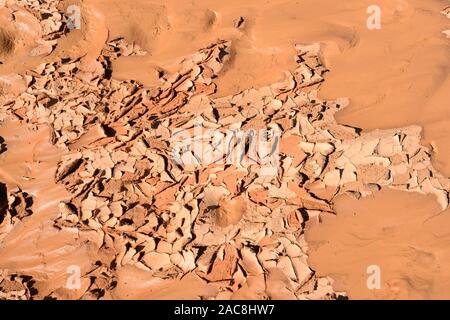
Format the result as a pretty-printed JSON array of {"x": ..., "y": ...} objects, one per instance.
[{"x": 89, "y": 179}]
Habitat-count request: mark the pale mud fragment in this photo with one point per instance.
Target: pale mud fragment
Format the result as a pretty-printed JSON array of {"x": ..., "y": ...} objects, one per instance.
[{"x": 446, "y": 12}]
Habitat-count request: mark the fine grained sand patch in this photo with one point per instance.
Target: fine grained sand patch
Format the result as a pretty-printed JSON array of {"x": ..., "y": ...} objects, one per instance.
[{"x": 405, "y": 234}]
